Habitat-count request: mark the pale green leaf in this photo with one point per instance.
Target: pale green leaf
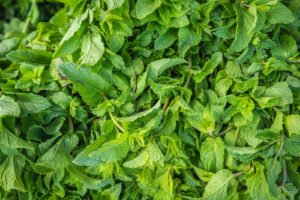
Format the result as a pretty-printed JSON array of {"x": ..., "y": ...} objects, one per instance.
[
  {"x": 58, "y": 156},
  {"x": 212, "y": 154},
  {"x": 112, "y": 4},
  {"x": 71, "y": 33},
  {"x": 244, "y": 154},
  {"x": 208, "y": 67},
  {"x": 111, "y": 151},
  {"x": 92, "y": 48},
  {"x": 257, "y": 185},
  {"x": 90, "y": 183},
  {"x": 31, "y": 103},
  {"x": 146, "y": 7},
  {"x": 10, "y": 140},
  {"x": 218, "y": 188},
  {"x": 7, "y": 45},
  {"x": 282, "y": 92},
  {"x": 244, "y": 29},
  {"x": 156, "y": 68},
  {"x": 280, "y": 14},
  {"x": 8, "y": 107},
  {"x": 292, "y": 124},
  {"x": 10, "y": 173}
]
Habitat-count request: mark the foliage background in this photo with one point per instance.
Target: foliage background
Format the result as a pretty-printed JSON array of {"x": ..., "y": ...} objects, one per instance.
[{"x": 149, "y": 99}]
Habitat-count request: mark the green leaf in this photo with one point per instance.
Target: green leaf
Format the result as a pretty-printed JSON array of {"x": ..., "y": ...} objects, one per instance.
[
  {"x": 10, "y": 173},
  {"x": 244, "y": 154},
  {"x": 31, "y": 56},
  {"x": 31, "y": 103},
  {"x": 67, "y": 42},
  {"x": 246, "y": 21},
  {"x": 111, "y": 151},
  {"x": 58, "y": 156},
  {"x": 292, "y": 145},
  {"x": 113, "y": 4},
  {"x": 277, "y": 125},
  {"x": 286, "y": 49},
  {"x": 148, "y": 157},
  {"x": 90, "y": 183},
  {"x": 212, "y": 154},
  {"x": 146, "y": 7},
  {"x": 61, "y": 99},
  {"x": 141, "y": 114},
  {"x": 292, "y": 124},
  {"x": 268, "y": 135},
  {"x": 7, "y": 45},
  {"x": 12, "y": 141},
  {"x": 91, "y": 86},
  {"x": 282, "y": 92},
  {"x": 165, "y": 39},
  {"x": 156, "y": 68},
  {"x": 280, "y": 14},
  {"x": 220, "y": 185},
  {"x": 203, "y": 120},
  {"x": 8, "y": 107},
  {"x": 208, "y": 67},
  {"x": 92, "y": 48},
  {"x": 138, "y": 162},
  {"x": 186, "y": 39},
  {"x": 257, "y": 185},
  {"x": 112, "y": 192}
]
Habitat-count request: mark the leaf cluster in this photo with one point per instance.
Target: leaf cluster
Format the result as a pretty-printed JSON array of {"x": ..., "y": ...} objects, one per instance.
[{"x": 150, "y": 99}]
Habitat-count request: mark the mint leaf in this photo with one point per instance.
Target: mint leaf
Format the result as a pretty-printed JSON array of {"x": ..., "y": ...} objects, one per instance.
[
  {"x": 31, "y": 103},
  {"x": 220, "y": 186},
  {"x": 146, "y": 7},
  {"x": 8, "y": 107},
  {"x": 286, "y": 16},
  {"x": 31, "y": 56},
  {"x": 245, "y": 27},
  {"x": 292, "y": 124},
  {"x": 156, "y": 68},
  {"x": 10, "y": 170},
  {"x": 208, "y": 67},
  {"x": 257, "y": 185},
  {"x": 111, "y": 151},
  {"x": 292, "y": 145},
  {"x": 92, "y": 48},
  {"x": 212, "y": 154},
  {"x": 89, "y": 84}
]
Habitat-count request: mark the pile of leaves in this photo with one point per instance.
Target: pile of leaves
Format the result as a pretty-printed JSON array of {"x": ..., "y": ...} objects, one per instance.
[{"x": 150, "y": 99}]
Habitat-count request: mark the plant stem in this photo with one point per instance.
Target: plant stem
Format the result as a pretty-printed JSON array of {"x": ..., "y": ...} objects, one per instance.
[
  {"x": 229, "y": 128},
  {"x": 25, "y": 27},
  {"x": 115, "y": 122},
  {"x": 238, "y": 174},
  {"x": 284, "y": 174},
  {"x": 166, "y": 105},
  {"x": 281, "y": 146},
  {"x": 71, "y": 125},
  {"x": 189, "y": 76}
]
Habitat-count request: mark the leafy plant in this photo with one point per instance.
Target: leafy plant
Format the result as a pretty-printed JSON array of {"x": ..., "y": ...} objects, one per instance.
[{"x": 150, "y": 99}]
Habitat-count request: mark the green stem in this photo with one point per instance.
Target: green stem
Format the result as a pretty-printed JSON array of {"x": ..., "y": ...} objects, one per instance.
[
  {"x": 71, "y": 125},
  {"x": 189, "y": 76},
  {"x": 284, "y": 174},
  {"x": 229, "y": 128},
  {"x": 25, "y": 27},
  {"x": 115, "y": 122}
]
